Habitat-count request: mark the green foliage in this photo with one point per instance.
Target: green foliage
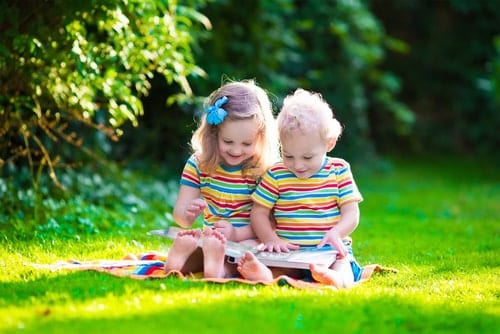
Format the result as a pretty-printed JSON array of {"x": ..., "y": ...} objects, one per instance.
[
  {"x": 450, "y": 73},
  {"x": 494, "y": 77},
  {"x": 66, "y": 65},
  {"x": 333, "y": 47},
  {"x": 94, "y": 202},
  {"x": 344, "y": 47},
  {"x": 68, "y": 68},
  {"x": 401, "y": 75}
]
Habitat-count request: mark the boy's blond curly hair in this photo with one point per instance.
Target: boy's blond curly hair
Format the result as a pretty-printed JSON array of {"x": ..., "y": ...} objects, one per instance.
[{"x": 306, "y": 112}]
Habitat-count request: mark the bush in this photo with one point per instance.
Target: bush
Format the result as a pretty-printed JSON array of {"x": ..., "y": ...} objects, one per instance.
[{"x": 68, "y": 68}]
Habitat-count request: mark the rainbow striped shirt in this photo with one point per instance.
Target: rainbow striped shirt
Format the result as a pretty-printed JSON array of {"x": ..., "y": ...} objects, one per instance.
[
  {"x": 227, "y": 192},
  {"x": 306, "y": 209}
]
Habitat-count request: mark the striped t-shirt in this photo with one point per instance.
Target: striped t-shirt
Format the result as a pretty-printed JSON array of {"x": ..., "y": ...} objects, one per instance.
[
  {"x": 305, "y": 209},
  {"x": 227, "y": 192}
]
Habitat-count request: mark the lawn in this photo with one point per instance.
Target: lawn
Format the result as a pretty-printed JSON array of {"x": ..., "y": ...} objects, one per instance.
[{"x": 435, "y": 220}]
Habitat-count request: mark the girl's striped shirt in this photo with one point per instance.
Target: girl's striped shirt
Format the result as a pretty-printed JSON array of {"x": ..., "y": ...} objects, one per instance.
[
  {"x": 227, "y": 192},
  {"x": 305, "y": 209}
]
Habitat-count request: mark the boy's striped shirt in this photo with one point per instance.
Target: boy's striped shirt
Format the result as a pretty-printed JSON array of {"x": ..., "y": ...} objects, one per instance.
[{"x": 306, "y": 209}]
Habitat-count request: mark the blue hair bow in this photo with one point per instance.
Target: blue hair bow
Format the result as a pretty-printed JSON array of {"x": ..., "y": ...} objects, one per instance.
[{"x": 216, "y": 114}]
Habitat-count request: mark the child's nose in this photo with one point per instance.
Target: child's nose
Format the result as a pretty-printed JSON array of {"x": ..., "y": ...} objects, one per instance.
[
  {"x": 298, "y": 164},
  {"x": 237, "y": 150}
]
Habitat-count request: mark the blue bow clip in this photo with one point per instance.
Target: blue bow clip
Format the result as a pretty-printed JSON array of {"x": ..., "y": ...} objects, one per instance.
[{"x": 216, "y": 114}]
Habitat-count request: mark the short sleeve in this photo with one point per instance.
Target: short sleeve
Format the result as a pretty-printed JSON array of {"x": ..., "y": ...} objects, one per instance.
[
  {"x": 267, "y": 191},
  {"x": 191, "y": 173},
  {"x": 348, "y": 190}
]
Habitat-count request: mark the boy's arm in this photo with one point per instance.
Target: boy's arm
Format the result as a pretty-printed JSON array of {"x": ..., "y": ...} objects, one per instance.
[
  {"x": 244, "y": 233},
  {"x": 260, "y": 220},
  {"x": 349, "y": 220},
  {"x": 261, "y": 223}
]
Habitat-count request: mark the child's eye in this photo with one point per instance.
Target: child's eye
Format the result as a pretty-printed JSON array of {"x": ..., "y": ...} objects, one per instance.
[
  {"x": 288, "y": 157},
  {"x": 247, "y": 144},
  {"x": 307, "y": 158},
  {"x": 228, "y": 141}
]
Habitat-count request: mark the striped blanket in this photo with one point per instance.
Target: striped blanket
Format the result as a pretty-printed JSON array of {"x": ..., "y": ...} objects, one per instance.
[{"x": 150, "y": 266}]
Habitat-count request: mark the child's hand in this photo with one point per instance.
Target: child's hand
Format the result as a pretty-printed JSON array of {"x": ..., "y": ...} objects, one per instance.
[
  {"x": 333, "y": 239},
  {"x": 278, "y": 246},
  {"x": 226, "y": 228},
  {"x": 194, "y": 209}
]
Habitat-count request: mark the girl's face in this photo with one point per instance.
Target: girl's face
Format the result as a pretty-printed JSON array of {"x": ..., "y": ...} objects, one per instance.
[
  {"x": 303, "y": 154},
  {"x": 237, "y": 140}
]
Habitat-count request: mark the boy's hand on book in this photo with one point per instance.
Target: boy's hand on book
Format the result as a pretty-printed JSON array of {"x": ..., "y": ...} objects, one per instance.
[
  {"x": 278, "y": 246},
  {"x": 333, "y": 239}
]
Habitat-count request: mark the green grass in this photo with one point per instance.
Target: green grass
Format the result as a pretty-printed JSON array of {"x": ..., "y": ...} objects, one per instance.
[{"x": 435, "y": 221}]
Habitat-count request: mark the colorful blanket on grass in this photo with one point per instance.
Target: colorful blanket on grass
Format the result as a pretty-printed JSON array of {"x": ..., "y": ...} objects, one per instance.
[{"x": 150, "y": 265}]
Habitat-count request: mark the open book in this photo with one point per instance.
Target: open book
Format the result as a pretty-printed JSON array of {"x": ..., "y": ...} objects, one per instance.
[{"x": 294, "y": 259}]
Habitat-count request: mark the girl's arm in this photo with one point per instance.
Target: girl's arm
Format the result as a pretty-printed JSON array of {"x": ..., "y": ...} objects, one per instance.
[
  {"x": 188, "y": 206},
  {"x": 234, "y": 233}
]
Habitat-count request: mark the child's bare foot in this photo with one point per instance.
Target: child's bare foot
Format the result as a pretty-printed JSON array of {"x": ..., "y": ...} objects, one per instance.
[
  {"x": 184, "y": 245},
  {"x": 252, "y": 269},
  {"x": 326, "y": 275},
  {"x": 214, "y": 248}
]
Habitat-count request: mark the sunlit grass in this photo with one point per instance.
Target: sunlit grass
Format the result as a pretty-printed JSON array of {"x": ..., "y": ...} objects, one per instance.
[{"x": 436, "y": 222}]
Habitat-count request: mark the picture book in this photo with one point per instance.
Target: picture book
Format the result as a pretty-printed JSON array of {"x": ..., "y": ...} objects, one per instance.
[{"x": 293, "y": 259}]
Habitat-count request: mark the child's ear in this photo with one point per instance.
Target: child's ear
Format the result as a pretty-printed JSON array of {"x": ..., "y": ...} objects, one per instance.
[{"x": 331, "y": 144}]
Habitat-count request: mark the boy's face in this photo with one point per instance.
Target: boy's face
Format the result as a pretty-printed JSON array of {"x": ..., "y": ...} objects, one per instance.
[{"x": 303, "y": 154}]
